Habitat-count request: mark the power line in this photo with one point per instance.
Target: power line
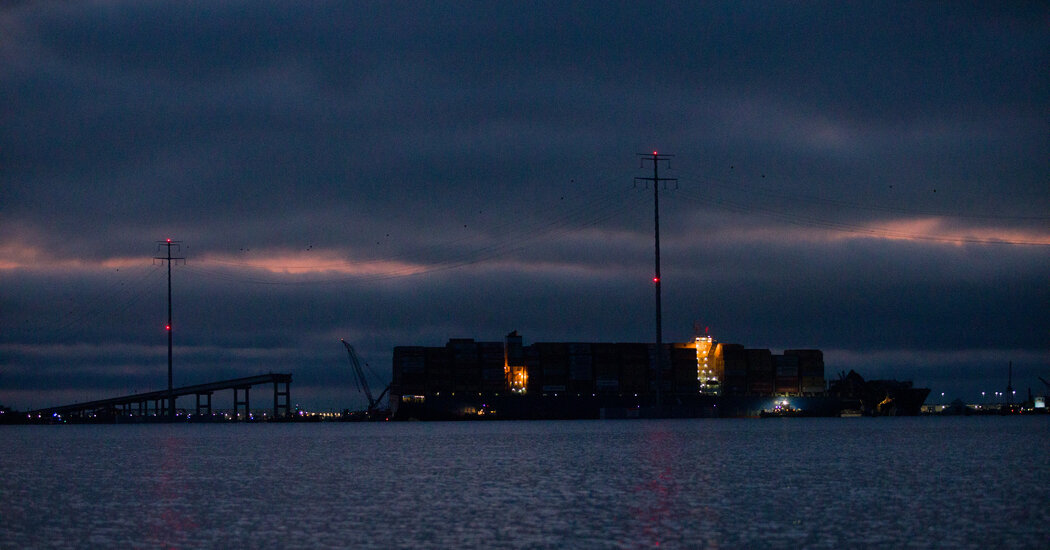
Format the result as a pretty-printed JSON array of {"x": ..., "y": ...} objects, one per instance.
[
  {"x": 106, "y": 303},
  {"x": 512, "y": 235}
]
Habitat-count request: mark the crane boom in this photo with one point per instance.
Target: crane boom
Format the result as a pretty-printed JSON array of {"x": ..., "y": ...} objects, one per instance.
[
  {"x": 362, "y": 382},
  {"x": 382, "y": 393}
]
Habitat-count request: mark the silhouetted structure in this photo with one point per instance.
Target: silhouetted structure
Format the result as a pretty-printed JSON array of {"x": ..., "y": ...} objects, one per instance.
[
  {"x": 168, "y": 243},
  {"x": 469, "y": 379},
  {"x": 879, "y": 397},
  {"x": 374, "y": 409},
  {"x": 656, "y": 181},
  {"x": 138, "y": 405}
]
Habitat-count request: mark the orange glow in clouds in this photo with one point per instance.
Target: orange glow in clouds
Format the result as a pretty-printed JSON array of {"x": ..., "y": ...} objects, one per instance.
[
  {"x": 21, "y": 256},
  {"x": 929, "y": 230},
  {"x": 315, "y": 261}
]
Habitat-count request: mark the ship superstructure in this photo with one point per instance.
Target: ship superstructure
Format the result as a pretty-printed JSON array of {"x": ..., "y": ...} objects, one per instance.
[{"x": 709, "y": 366}]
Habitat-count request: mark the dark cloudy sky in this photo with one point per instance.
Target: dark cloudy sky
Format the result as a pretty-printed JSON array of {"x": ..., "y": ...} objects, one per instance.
[{"x": 870, "y": 179}]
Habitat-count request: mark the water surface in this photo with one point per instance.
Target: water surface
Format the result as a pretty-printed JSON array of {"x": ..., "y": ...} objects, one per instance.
[{"x": 715, "y": 483}]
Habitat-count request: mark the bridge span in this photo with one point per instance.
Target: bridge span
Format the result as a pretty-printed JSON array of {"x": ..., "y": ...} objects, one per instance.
[{"x": 139, "y": 404}]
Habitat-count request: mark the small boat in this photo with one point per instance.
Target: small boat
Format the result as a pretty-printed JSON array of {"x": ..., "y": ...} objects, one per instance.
[{"x": 782, "y": 409}]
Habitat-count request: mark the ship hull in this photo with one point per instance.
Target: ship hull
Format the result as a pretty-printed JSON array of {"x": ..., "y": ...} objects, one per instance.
[{"x": 552, "y": 407}]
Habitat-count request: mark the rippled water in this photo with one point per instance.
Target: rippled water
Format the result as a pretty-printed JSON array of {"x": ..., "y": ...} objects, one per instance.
[{"x": 720, "y": 483}]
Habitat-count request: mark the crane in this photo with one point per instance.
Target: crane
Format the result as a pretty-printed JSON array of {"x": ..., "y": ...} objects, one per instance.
[{"x": 362, "y": 382}]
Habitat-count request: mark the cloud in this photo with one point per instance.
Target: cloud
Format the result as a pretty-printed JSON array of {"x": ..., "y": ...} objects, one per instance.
[{"x": 854, "y": 178}]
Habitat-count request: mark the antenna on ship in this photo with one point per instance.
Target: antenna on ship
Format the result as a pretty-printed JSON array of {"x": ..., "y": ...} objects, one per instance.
[{"x": 656, "y": 180}]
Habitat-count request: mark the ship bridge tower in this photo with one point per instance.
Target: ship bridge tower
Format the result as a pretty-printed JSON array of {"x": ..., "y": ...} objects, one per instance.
[
  {"x": 514, "y": 363},
  {"x": 707, "y": 368}
]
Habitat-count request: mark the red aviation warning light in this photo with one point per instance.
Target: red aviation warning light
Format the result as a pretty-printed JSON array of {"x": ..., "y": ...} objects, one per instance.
[
  {"x": 167, "y": 328},
  {"x": 656, "y": 279},
  {"x": 169, "y": 240},
  {"x": 654, "y": 153}
]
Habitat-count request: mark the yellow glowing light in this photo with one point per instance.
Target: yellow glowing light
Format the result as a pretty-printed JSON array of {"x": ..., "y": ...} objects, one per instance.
[{"x": 705, "y": 374}]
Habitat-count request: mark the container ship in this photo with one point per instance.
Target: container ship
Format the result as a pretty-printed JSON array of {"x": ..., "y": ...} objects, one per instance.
[{"x": 467, "y": 379}]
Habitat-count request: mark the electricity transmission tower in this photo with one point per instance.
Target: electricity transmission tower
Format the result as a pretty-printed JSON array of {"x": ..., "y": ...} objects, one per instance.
[
  {"x": 656, "y": 180},
  {"x": 168, "y": 243}
]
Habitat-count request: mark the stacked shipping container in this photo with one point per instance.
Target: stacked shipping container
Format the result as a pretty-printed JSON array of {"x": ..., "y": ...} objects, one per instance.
[
  {"x": 810, "y": 370},
  {"x": 410, "y": 370},
  {"x": 634, "y": 362},
  {"x": 606, "y": 363},
  {"x": 735, "y": 369},
  {"x": 493, "y": 375},
  {"x": 581, "y": 369},
  {"x": 553, "y": 367},
  {"x": 786, "y": 367},
  {"x": 684, "y": 369},
  {"x": 759, "y": 372},
  {"x": 464, "y": 365}
]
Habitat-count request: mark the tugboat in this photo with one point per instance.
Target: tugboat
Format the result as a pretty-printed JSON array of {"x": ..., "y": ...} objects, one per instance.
[{"x": 782, "y": 409}]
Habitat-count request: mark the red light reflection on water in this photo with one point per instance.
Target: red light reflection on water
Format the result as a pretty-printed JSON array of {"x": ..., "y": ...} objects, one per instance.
[
  {"x": 659, "y": 501},
  {"x": 653, "y": 497},
  {"x": 175, "y": 525}
]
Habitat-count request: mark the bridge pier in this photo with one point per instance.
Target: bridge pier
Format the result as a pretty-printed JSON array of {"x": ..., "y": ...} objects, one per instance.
[
  {"x": 277, "y": 405},
  {"x": 237, "y": 403},
  {"x": 207, "y": 405}
]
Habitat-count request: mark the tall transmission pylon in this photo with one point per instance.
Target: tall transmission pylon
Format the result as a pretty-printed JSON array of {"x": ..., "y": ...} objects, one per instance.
[
  {"x": 656, "y": 181},
  {"x": 168, "y": 243}
]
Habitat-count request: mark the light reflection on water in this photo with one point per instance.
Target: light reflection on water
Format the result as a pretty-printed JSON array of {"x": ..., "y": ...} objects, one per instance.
[{"x": 776, "y": 483}]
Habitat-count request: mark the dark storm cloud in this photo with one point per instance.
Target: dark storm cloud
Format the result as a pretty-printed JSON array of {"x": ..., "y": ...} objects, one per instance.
[{"x": 402, "y": 173}]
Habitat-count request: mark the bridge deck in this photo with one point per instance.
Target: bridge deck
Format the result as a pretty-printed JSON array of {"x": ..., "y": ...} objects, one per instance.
[{"x": 197, "y": 389}]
